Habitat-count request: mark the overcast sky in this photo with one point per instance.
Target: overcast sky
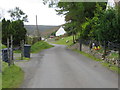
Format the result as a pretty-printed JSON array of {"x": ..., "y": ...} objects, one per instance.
[{"x": 46, "y": 16}]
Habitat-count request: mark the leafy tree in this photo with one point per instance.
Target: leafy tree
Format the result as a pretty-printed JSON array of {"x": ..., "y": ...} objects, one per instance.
[
  {"x": 18, "y": 14},
  {"x": 19, "y": 31},
  {"x": 5, "y": 30},
  {"x": 106, "y": 27},
  {"x": 14, "y": 28}
]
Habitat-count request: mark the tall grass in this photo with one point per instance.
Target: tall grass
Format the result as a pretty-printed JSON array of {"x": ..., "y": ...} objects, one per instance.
[
  {"x": 39, "y": 46},
  {"x": 12, "y": 76}
]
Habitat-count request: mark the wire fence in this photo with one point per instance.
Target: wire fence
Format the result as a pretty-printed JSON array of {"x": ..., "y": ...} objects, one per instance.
[{"x": 112, "y": 50}]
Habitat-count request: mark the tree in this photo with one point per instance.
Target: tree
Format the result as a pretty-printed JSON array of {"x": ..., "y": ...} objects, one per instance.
[
  {"x": 5, "y": 30},
  {"x": 105, "y": 27},
  {"x": 18, "y": 14},
  {"x": 19, "y": 31},
  {"x": 14, "y": 28}
]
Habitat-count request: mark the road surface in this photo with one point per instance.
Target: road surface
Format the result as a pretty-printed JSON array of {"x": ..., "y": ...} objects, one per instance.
[{"x": 59, "y": 67}]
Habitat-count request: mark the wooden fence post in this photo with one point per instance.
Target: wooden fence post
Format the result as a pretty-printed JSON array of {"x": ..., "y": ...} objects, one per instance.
[
  {"x": 22, "y": 49},
  {"x": 80, "y": 42},
  {"x": 8, "y": 52},
  {"x": 11, "y": 52}
]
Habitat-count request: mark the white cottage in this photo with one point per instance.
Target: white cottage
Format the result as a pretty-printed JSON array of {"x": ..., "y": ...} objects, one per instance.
[
  {"x": 60, "y": 31},
  {"x": 110, "y": 3}
]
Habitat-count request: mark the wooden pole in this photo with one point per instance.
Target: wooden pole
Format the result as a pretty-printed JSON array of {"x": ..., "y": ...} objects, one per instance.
[
  {"x": 22, "y": 49},
  {"x": 8, "y": 52},
  {"x": 38, "y": 33},
  {"x": 12, "y": 50},
  {"x": 80, "y": 43}
]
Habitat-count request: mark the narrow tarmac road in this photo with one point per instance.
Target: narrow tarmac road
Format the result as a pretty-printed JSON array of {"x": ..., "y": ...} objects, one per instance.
[{"x": 59, "y": 67}]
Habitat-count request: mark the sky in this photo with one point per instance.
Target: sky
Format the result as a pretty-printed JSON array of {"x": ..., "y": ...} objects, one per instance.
[{"x": 45, "y": 15}]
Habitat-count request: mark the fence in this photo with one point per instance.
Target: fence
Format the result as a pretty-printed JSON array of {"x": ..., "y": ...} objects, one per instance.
[{"x": 112, "y": 51}]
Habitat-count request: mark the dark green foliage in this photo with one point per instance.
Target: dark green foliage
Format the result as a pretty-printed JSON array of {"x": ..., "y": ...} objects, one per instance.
[
  {"x": 18, "y": 14},
  {"x": 108, "y": 27},
  {"x": 54, "y": 33},
  {"x": 19, "y": 32},
  {"x": 15, "y": 28}
]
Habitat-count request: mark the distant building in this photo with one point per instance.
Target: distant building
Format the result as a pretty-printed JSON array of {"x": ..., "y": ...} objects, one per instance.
[
  {"x": 42, "y": 38},
  {"x": 112, "y": 3},
  {"x": 51, "y": 36},
  {"x": 60, "y": 31}
]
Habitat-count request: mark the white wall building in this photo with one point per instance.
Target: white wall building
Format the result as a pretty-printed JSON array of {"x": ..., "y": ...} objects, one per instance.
[
  {"x": 60, "y": 31},
  {"x": 110, "y": 3}
]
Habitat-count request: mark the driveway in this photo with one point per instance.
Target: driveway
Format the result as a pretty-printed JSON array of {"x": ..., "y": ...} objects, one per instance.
[{"x": 59, "y": 67}]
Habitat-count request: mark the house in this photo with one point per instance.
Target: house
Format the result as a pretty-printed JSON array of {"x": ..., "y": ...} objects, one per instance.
[
  {"x": 60, "y": 31},
  {"x": 112, "y": 3}
]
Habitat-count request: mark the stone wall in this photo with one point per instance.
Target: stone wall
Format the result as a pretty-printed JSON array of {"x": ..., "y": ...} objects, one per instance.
[{"x": 97, "y": 54}]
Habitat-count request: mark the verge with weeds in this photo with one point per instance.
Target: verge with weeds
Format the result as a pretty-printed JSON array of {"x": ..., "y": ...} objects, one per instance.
[{"x": 12, "y": 76}]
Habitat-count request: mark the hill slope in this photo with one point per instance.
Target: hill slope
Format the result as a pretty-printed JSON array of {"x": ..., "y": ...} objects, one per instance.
[{"x": 43, "y": 29}]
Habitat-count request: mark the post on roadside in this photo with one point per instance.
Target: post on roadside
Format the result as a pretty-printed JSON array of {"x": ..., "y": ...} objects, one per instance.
[
  {"x": 8, "y": 51},
  {"x": 11, "y": 51},
  {"x": 22, "y": 49},
  {"x": 80, "y": 43}
]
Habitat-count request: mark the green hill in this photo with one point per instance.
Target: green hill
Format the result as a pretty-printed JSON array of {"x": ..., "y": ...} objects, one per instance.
[{"x": 43, "y": 29}]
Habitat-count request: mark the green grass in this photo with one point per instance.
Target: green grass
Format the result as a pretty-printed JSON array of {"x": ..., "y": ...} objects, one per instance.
[
  {"x": 114, "y": 55},
  {"x": 39, "y": 46},
  {"x": 17, "y": 51},
  {"x": 88, "y": 55},
  {"x": 12, "y": 76},
  {"x": 2, "y": 46},
  {"x": 63, "y": 41},
  {"x": 0, "y": 80},
  {"x": 24, "y": 58},
  {"x": 112, "y": 67}
]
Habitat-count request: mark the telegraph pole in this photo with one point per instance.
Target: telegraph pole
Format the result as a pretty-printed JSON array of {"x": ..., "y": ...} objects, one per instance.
[{"x": 38, "y": 33}]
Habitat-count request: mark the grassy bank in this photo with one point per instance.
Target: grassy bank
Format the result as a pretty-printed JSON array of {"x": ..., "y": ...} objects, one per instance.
[
  {"x": 62, "y": 41},
  {"x": 17, "y": 51},
  {"x": 0, "y": 80},
  {"x": 111, "y": 67},
  {"x": 39, "y": 46},
  {"x": 2, "y": 46},
  {"x": 12, "y": 76},
  {"x": 24, "y": 58}
]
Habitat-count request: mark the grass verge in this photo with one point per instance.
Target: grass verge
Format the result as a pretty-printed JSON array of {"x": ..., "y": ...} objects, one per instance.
[
  {"x": 88, "y": 55},
  {"x": 24, "y": 58},
  {"x": 2, "y": 46},
  {"x": 17, "y": 51},
  {"x": 39, "y": 46},
  {"x": 112, "y": 67},
  {"x": 63, "y": 40},
  {"x": 0, "y": 81},
  {"x": 12, "y": 76}
]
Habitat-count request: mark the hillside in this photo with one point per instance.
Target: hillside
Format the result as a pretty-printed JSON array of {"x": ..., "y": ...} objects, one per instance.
[{"x": 43, "y": 29}]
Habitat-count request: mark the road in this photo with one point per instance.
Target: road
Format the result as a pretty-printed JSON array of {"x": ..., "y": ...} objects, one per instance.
[{"x": 59, "y": 67}]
